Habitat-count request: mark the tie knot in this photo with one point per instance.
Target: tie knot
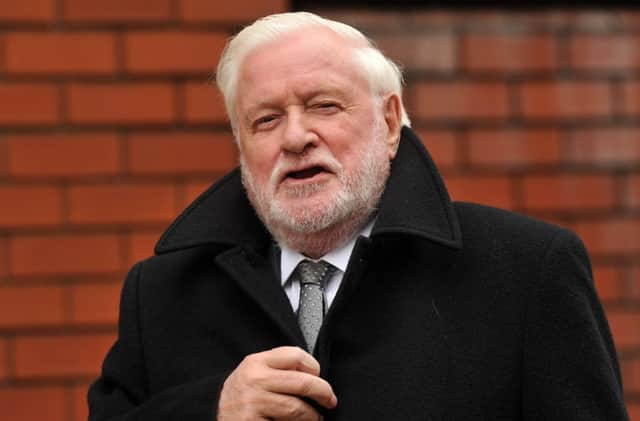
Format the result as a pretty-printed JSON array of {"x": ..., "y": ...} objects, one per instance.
[{"x": 314, "y": 272}]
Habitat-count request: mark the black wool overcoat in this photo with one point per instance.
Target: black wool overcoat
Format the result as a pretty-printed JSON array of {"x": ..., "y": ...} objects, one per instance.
[{"x": 448, "y": 311}]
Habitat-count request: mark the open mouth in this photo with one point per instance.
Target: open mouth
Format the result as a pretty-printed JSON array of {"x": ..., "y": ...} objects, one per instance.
[{"x": 306, "y": 173}]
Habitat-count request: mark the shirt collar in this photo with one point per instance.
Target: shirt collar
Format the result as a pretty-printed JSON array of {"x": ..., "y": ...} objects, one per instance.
[{"x": 339, "y": 257}]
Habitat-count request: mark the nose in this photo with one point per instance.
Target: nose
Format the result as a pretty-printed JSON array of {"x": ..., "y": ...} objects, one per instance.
[{"x": 297, "y": 137}]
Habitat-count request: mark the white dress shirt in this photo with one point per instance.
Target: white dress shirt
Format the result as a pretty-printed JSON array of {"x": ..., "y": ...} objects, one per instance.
[{"x": 339, "y": 258}]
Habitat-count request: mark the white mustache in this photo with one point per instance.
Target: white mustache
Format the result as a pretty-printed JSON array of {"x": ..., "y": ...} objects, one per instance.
[{"x": 285, "y": 165}]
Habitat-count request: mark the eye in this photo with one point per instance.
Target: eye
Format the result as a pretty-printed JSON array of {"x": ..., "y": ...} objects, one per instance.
[
  {"x": 264, "y": 122},
  {"x": 327, "y": 107}
]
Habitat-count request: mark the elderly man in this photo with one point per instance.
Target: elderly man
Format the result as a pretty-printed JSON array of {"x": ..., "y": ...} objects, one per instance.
[{"x": 341, "y": 283}]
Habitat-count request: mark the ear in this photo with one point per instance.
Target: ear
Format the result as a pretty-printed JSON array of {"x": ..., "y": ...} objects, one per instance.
[{"x": 391, "y": 110}]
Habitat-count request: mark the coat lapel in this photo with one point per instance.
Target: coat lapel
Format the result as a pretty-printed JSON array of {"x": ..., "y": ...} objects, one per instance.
[{"x": 256, "y": 275}]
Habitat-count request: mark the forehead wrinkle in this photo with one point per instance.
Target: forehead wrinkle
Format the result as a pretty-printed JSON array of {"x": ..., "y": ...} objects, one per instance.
[
  {"x": 334, "y": 59},
  {"x": 299, "y": 88}
]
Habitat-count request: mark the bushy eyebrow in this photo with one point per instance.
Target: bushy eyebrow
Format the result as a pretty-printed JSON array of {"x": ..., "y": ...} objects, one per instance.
[
  {"x": 334, "y": 92},
  {"x": 262, "y": 105}
]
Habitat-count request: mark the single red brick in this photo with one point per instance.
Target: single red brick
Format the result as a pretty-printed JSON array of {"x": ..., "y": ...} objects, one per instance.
[
  {"x": 3, "y": 56},
  {"x": 28, "y": 11},
  {"x": 64, "y": 254},
  {"x": 203, "y": 104},
  {"x": 45, "y": 53},
  {"x": 194, "y": 189},
  {"x": 419, "y": 51},
  {"x": 33, "y": 403},
  {"x": 4, "y": 161},
  {"x": 181, "y": 153},
  {"x": 612, "y": 236},
  {"x": 458, "y": 100},
  {"x": 173, "y": 52},
  {"x": 60, "y": 356},
  {"x": 95, "y": 303},
  {"x": 442, "y": 145},
  {"x": 509, "y": 53},
  {"x": 631, "y": 375},
  {"x": 30, "y": 206},
  {"x": 237, "y": 11},
  {"x": 80, "y": 406},
  {"x": 610, "y": 52},
  {"x": 606, "y": 147},
  {"x": 122, "y": 203},
  {"x": 141, "y": 245},
  {"x": 66, "y": 155},
  {"x": 634, "y": 283},
  {"x": 633, "y": 192},
  {"x": 4, "y": 258},
  {"x": 26, "y": 103},
  {"x": 117, "y": 11},
  {"x": 608, "y": 282},
  {"x": 490, "y": 190},
  {"x": 511, "y": 148},
  {"x": 4, "y": 369},
  {"x": 31, "y": 306},
  {"x": 122, "y": 103},
  {"x": 631, "y": 104},
  {"x": 555, "y": 100},
  {"x": 569, "y": 192},
  {"x": 624, "y": 327}
]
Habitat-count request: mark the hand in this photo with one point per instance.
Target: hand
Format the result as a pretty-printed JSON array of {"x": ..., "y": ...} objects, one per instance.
[{"x": 269, "y": 386}]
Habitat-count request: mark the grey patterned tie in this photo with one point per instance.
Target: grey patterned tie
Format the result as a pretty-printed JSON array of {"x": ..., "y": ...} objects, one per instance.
[{"x": 311, "y": 309}]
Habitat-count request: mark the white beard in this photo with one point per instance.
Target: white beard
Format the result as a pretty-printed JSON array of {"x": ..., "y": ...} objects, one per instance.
[{"x": 314, "y": 225}]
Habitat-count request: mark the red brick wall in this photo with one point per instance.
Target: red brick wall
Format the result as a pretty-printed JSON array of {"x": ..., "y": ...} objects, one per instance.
[{"x": 108, "y": 129}]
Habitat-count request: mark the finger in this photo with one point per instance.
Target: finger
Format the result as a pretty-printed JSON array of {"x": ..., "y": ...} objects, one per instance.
[
  {"x": 302, "y": 385},
  {"x": 289, "y": 408},
  {"x": 291, "y": 358}
]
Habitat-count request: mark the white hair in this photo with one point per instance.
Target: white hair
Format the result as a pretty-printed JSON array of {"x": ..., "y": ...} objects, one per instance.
[{"x": 383, "y": 74}]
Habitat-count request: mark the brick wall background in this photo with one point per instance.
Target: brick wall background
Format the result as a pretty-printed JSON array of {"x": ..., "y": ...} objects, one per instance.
[{"x": 108, "y": 129}]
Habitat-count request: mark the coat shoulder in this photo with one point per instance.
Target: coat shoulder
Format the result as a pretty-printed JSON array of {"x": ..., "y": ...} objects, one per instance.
[
  {"x": 498, "y": 234},
  {"x": 482, "y": 220}
]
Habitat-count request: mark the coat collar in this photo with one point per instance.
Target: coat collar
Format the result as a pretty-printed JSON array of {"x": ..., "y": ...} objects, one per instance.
[{"x": 415, "y": 203}]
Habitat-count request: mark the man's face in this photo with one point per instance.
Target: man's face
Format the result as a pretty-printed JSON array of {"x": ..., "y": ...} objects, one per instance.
[{"x": 315, "y": 143}]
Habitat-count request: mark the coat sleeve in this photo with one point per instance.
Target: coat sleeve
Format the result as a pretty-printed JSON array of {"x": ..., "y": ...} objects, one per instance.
[
  {"x": 121, "y": 392},
  {"x": 570, "y": 368}
]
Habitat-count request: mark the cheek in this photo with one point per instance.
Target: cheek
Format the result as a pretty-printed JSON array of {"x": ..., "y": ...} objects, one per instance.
[
  {"x": 342, "y": 137},
  {"x": 260, "y": 163},
  {"x": 352, "y": 145}
]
